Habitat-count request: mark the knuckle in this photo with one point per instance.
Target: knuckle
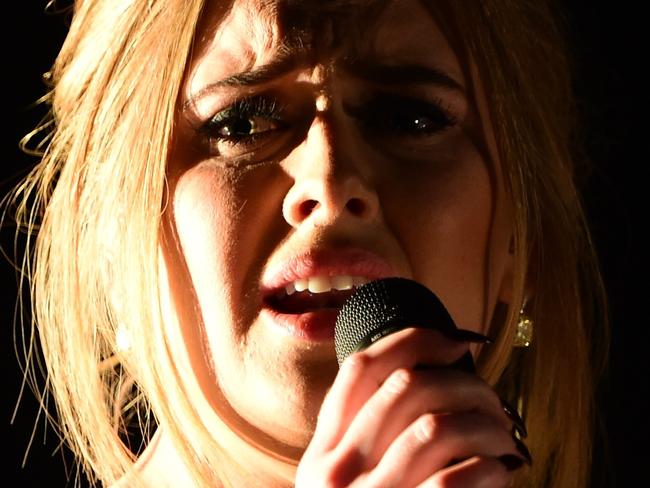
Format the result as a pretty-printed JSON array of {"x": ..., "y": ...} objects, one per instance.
[
  {"x": 444, "y": 425},
  {"x": 398, "y": 382},
  {"x": 425, "y": 428},
  {"x": 357, "y": 363}
]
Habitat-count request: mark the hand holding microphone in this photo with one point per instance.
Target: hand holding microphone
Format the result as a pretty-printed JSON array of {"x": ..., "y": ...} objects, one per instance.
[{"x": 406, "y": 408}]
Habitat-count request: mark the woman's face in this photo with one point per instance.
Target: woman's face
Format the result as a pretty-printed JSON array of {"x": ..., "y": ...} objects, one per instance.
[{"x": 293, "y": 167}]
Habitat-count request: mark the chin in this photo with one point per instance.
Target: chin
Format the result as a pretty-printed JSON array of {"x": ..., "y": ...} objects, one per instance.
[{"x": 297, "y": 404}]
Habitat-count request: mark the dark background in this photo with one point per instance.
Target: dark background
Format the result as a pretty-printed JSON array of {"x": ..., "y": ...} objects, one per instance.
[{"x": 609, "y": 55}]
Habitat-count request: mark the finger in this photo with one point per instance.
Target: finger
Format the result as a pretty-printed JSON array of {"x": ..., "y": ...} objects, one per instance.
[
  {"x": 362, "y": 374},
  {"x": 406, "y": 395},
  {"x": 434, "y": 442},
  {"x": 416, "y": 346},
  {"x": 475, "y": 472}
]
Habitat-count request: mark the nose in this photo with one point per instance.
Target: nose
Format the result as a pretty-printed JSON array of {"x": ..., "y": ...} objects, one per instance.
[{"x": 330, "y": 185}]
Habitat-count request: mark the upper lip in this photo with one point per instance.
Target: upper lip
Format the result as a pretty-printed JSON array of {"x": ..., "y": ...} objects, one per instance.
[{"x": 332, "y": 262}]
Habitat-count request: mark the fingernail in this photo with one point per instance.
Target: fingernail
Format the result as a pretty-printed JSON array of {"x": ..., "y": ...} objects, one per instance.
[
  {"x": 511, "y": 462},
  {"x": 464, "y": 335},
  {"x": 513, "y": 415},
  {"x": 523, "y": 450}
]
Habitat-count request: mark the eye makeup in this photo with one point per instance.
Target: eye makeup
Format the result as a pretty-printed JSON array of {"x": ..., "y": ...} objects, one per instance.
[{"x": 402, "y": 116}]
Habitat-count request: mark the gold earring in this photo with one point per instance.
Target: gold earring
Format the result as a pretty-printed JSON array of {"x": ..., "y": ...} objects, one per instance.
[{"x": 524, "y": 333}]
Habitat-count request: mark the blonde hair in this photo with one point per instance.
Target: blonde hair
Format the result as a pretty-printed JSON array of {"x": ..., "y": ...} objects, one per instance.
[
  {"x": 95, "y": 203},
  {"x": 523, "y": 63}
]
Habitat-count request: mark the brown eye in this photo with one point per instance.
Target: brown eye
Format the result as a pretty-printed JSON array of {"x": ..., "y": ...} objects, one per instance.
[
  {"x": 241, "y": 127},
  {"x": 252, "y": 129},
  {"x": 245, "y": 128},
  {"x": 245, "y": 118}
]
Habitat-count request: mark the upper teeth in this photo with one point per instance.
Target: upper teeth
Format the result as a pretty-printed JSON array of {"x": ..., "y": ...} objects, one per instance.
[{"x": 322, "y": 284}]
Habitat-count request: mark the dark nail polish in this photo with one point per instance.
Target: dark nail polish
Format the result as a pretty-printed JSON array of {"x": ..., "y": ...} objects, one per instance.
[
  {"x": 523, "y": 450},
  {"x": 511, "y": 462},
  {"x": 513, "y": 415},
  {"x": 464, "y": 335}
]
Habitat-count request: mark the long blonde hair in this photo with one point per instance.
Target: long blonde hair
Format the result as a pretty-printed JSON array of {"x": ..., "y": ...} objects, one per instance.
[{"x": 95, "y": 202}]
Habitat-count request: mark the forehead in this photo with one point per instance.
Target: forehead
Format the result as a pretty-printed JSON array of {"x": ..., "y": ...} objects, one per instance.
[{"x": 232, "y": 38}]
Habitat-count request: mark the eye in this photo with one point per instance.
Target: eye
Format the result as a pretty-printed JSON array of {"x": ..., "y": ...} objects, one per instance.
[
  {"x": 245, "y": 126},
  {"x": 396, "y": 116},
  {"x": 417, "y": 120},
  {"x": 240, "y": 127}
]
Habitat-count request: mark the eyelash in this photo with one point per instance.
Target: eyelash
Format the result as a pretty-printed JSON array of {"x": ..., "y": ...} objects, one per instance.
[
  {"x": 262, "y": 107},
  {"x": 387, "y": 113},
  {"x": 383, "y": 114}
]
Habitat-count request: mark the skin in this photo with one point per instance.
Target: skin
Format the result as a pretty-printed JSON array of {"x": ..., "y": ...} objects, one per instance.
[{"x": 432, "y": 207}]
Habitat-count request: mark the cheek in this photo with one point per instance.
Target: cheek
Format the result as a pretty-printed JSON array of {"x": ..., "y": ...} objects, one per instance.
[
  {"x": 224, "y": 224},
  {"x": 203, "y": 212},
  {"x": 442, "y": 215}
]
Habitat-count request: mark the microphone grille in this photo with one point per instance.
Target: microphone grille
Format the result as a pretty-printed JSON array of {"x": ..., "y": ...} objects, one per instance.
[{"x": 383, "y": 306}]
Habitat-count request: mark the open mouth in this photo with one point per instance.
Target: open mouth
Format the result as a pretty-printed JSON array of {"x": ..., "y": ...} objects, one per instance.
[
  {"x": 313, "y": 294},
  {"x": 305, "y": 301}
]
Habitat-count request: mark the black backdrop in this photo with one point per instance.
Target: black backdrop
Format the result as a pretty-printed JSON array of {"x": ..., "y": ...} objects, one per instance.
[{"x": 609, "y": 56}]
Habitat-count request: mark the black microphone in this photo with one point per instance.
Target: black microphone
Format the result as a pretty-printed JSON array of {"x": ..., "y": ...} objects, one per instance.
[{"x": 384, "y": 306}]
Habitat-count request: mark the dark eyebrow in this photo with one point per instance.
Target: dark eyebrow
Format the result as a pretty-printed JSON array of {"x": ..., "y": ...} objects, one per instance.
[
  {"x": 289, "y": 60},
  {"x": 283, "y": 63},
  {"x": 401, "y": 75}
]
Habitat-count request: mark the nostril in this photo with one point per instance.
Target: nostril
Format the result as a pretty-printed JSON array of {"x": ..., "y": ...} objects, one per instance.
[
  {"x": 356, "y": 206},
  {"x": 306, "y": 208}
]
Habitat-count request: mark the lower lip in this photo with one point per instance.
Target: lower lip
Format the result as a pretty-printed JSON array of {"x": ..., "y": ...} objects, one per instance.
[{"x": 311, "y": 326}]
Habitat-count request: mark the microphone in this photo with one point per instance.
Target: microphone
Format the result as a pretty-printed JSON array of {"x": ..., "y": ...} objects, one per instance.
[{"x": 381, "y": 307}]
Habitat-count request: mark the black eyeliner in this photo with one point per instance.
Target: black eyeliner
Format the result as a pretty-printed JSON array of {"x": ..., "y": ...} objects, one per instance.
[
  {"x": 257, "y": 106},
  {"x": 383, "y": 112}
]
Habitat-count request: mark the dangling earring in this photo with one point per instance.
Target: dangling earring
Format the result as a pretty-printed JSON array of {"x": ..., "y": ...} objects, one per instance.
[{"x": 524, "y": 333}]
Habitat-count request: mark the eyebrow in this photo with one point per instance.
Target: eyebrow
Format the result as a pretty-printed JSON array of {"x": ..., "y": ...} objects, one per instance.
[
  {"x": 282, "y": 64},
  {"x": 382, "y": 74},
  {"x": 410, "y": 74}
]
